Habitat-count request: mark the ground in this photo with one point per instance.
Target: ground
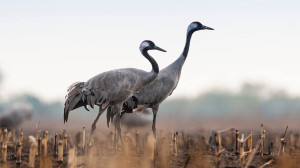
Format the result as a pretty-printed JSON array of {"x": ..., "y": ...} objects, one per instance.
[{"x": 195, "y": 149}]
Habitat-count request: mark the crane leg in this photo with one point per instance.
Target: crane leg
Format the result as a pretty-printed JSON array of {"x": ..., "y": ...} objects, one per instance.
[
  {"x": 115, "y": 139},
  {"x": 154, "y": 110},
  {"x": 153, "y": 125},
  {"x": 118, "y": 125},
  {"x": 95, "y": 122}
]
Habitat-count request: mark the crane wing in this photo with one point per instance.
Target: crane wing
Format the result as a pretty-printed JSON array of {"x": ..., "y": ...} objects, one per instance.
[{"x": 73, "y": 98}]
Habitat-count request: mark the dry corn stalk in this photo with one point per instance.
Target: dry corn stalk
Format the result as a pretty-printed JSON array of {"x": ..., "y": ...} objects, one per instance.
[
  {"x": 66, "y": 142},
  {"x": 0, "y": 134},
  {"x": 19, "y": 153},
  {"x": 218, "y": 134},
  {"x": 237, "y": 134},
  {"x": 4, "y": 145},
  {"x": 5, "y": 136},
  {"x": 267, "y": 164},
  {"x": 262, "y": 136},
  {"x": 39, "y": 145},
  {"x": 292, "y": 142},
  {"x": 14, "y": 138},
  {"x": 21, "y": 137},
  {"x": 91, "y": 162},
  {"x": 37, "y": 130},
  {"x": 220, "y": 141},
  {"x": 83, "y": 139},
  {"x": 4, "y": 152},
  {"x": 176, "y": 143},
  {"x": 149, "y": 151},
  {"x": 253, "y": 154},
  {"x": 219, "y": 151},
  {"x": 32, "y": 152},
  {"x": 137, "y": 140},
  {"x": 242, "y": 150},
  {"x": 282, "y": 142},
  {"x": 188, "y": 142},
  {"x": 45, "y": 144},
  {"x": 8, "y": 136},
  {"x": 282, "y": 146},
  {"x": 249, "y": 142},
  {"x": 171, "y": 147},
  {"x": 60, "y": 151},
  {"x": 55, "y": 145},
  {"x": 72, "y": 158},
  {"x": 218, "y": 158}
]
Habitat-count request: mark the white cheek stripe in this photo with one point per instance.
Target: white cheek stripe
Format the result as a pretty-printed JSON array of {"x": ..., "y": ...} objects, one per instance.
[
  {"x": 192, "y": 26},
  {"x": 144, "y": 45}
]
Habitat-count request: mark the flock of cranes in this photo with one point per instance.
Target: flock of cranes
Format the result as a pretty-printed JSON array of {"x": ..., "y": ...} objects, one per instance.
[{"x": 125, "y": 90}]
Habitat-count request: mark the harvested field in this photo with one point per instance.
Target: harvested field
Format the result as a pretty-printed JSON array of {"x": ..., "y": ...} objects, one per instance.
[{"x": 174, "y": 149}]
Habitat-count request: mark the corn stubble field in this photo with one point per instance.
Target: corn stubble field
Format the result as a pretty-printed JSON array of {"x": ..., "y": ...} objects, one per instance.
[{"x": 204, "y": 149}]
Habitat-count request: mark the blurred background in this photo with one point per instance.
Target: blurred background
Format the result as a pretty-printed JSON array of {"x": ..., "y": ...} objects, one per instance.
[{"x": 242, "y": 74}]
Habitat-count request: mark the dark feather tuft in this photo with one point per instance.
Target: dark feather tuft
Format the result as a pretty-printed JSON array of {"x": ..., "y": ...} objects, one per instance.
[{"x": 74, "y": 99}]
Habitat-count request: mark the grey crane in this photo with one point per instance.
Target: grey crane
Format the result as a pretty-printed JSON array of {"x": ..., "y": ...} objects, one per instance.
[
  {"x": 152, "y": 95},
  {"x": 111, "y": 89}
]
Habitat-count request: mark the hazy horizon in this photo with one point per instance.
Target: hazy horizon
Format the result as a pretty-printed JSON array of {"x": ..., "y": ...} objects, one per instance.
[{"x": 45, "y": 47}]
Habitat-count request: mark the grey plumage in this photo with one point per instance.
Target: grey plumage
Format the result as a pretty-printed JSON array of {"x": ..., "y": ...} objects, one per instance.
[
  {"x": 158, "y": 90},
  {"x": 112, "y": 88}
]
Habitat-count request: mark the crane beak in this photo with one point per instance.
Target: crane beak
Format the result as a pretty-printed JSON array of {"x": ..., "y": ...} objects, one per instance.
[
  {"x": 208, "y": 28},
  {"x": 160, "y": 49}
]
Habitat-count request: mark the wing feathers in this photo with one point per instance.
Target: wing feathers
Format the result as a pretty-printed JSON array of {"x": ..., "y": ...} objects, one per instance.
[
  {"x": 73, "y": 97},
  {"x": 79, "y": 96}
]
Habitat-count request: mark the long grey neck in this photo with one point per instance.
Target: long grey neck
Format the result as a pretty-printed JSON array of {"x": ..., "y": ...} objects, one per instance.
[
  {"x": 187, "y": 44},
  {"x": 178, "y": 63},
  {"x": 155, "y": 67}
]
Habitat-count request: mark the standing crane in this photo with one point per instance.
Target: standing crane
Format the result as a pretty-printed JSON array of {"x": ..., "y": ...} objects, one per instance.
[
  {"x": 111, "y": 89},
  {"x": 152, "y": 95}
]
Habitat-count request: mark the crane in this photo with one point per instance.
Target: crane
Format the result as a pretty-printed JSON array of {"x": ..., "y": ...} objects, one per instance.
[
  {"x": 152, "y": 95},
  {"x": 111, "y": 89}
]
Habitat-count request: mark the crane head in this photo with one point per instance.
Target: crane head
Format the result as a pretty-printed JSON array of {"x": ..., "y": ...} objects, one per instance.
[
  {"x": 149, "y": 45},
  {"x": 195, "y": 26}
]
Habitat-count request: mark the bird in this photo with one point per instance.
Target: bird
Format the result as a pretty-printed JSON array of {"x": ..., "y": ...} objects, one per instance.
[
  {"x": 111, "y": 89},
  {"x": 153, "y": 94}
]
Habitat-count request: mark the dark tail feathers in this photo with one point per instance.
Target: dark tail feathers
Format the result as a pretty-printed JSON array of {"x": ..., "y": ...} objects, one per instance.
[{"x": 74, "y": 99}]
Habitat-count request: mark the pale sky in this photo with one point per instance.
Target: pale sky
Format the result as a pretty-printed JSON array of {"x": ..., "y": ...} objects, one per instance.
[{"x": 46, "y": 46}]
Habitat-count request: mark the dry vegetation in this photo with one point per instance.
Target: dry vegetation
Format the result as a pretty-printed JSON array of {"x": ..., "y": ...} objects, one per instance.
[{"x": 221, "y": 148}]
